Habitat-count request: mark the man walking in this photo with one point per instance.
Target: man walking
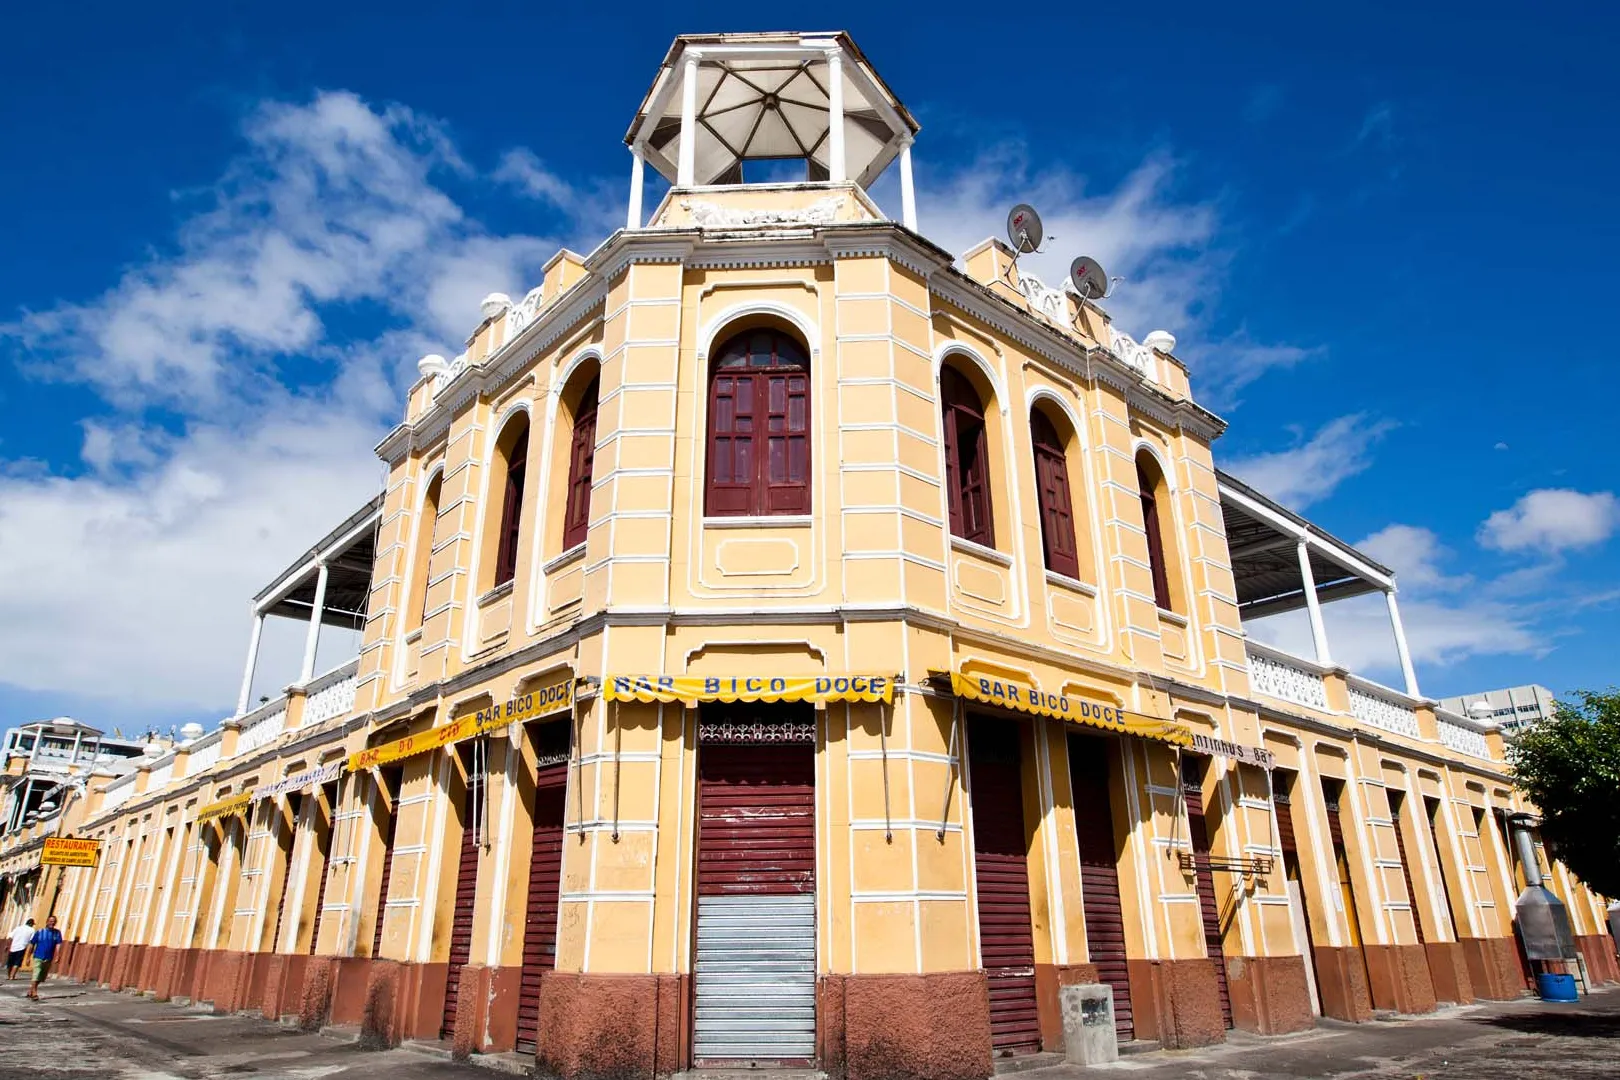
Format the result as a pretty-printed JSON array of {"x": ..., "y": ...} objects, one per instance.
[
  {"x": 45, "y": 943},
  {"x": 20, "y": 937}
]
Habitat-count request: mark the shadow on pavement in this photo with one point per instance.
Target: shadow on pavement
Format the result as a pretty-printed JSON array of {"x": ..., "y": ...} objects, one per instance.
[{"x": 1585, "y": 1025}]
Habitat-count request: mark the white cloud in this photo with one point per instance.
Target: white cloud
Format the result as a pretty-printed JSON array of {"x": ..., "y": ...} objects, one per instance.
[
  {"x": 1415, "y": 554},
  {"x": 1550, "y": 520},
  {"x": 130, "y": 579},
  {"x": 1310, "y": 470},
  {"x": 1166, "y": 248}
]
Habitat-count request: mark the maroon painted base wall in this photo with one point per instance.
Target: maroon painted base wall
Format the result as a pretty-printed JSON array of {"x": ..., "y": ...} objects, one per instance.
[
  {"x": 1400, "y": 979},
  {"x": 1270, "y": 994},
  {"x": 1341, "y": 979},
  {"x": 1176, "y": 1002},
  {"x": 908, "y": 1027}
]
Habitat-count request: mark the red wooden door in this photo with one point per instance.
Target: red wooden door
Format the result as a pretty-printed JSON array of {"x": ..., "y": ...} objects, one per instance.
[
  {"x": 1001, "y": 876},
  {"x": 324, "y": 849},
  {"x": 754, "y": 976},
  {"x": 1208, "y": 907},
  {"x": 545, "y": 880},
  {"x": 461, "y": 926},
  {"x": 1099, "y": 874}
]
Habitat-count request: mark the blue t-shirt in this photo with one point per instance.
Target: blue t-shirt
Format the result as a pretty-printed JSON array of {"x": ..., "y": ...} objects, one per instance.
[{"x": 45, "y": 942}]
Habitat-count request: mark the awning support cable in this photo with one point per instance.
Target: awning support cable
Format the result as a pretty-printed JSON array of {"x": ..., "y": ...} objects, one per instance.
[
  {"x": 883, "y": 746},
  {"x": 950, "y": 771},
  {"x": 618, "y": 738}
]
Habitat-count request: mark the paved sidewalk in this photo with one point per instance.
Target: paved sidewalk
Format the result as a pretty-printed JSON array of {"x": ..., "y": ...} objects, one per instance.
[
  {"x": 80, "y": 1032},
  {"x": 1516, "y": 1040}
]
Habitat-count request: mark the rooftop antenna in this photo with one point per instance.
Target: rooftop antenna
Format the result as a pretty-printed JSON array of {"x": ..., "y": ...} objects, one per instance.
[{"x": 1025, "y": 234}]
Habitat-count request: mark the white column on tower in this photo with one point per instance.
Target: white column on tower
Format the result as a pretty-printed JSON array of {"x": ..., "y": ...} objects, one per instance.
[
  {"x": 908, "y": 194},
  {"x": 1313, "y": 605},
  {"x": 1400, "y": 644},
  {"x": 313, "y": 638},
  {"x": 252, "y": 663},
  {"x": 686, "y": 165},
  {"x": 835, "y": 117},
  {"x": 637, "y": 168}
]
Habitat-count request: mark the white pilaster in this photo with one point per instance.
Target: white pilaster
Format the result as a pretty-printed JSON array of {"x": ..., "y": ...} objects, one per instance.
[
  {"x": 1400, "y": 644},
  {"x": 908, "y": 194},
  {"x": 313, "y": 638},
  {"x": 1314, "y": 606},
  {"x": 686, "y": 164},
  {"x": 252, "y": 664},
  {"x": 835, "y": 117},
  {"x": 637, "y": 167}
]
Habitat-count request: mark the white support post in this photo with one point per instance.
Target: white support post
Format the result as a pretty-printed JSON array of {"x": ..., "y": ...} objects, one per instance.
[
  {"x": 242, "y": 698},
  {"x": 1313, "y": 605},
  {"x": 1400, "y": 645},
  {"x": 313, "y": 638},
  {"x": 908, "y": 194},
  {"x": 686, "y": 164},
  {"x": 637, "y": 167},
  {"x": 835, "y": 117}
]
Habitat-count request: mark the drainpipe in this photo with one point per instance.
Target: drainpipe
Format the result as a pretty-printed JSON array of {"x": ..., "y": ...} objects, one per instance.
[{"x": 1526, "y": 846}]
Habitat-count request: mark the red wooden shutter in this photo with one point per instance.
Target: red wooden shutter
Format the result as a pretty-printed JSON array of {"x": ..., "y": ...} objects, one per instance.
[
  {"x": 787, "y": 459},
  {"x": 461, "y": 925},
  {"x": 759, "y": 427},
  {"x": 1397, "y": 799},
  {"x": 731, "y": 445},
  {"x": 967, "y": 467},
  {"x": 324, "y": 848},
  {"x": 1155, "y": 542},
  {"x": 581, "y": 462},
  {"x": 1099, "y": 874},
  {"x": 388, "y": 861},
  {"x": 1001, "y": 879},
  {"x": 1204, "y": 882},
  {"x": 1052, "y": 490},
  {"x": 512, "y": 511},
  {"x": 545, "y": 879}
]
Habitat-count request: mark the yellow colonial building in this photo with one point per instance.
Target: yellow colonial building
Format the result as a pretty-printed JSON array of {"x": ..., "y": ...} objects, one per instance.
[{"x": 787, "y": 642}]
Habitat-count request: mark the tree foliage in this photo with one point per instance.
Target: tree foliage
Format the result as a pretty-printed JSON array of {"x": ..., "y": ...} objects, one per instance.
[{"x": 1569, "y": 767}]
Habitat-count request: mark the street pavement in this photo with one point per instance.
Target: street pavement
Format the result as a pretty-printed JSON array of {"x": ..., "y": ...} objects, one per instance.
[{"x": 84, "y": 1033}]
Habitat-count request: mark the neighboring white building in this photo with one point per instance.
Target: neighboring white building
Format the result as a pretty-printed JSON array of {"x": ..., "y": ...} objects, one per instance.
[{"x": 1511, "y": 710}]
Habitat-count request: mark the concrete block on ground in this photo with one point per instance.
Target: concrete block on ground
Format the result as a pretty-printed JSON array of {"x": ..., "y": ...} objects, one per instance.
[{"x": 1088, "y": 1023}]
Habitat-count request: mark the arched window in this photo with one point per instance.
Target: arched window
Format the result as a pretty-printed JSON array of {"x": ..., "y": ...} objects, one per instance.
[
  {"x": 1155, "y": 511},
  {"x": 581, "y": 459},
  {"x": 513, "y": 451},
  {"x": 1052, "y": 493},
  {"x": 967, "y": 463},
  {"x": 425, "y": 526},
  {"x": 759, "y": 426}
]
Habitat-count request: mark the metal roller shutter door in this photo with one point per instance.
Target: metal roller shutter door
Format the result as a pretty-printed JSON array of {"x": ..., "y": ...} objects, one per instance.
[
  {"x": 461, "y": 925},
  {"x": 1204, "y": 877},
  {"x": 755, "y": 975},
  {"x": 1099, "y": 874},
  {"x": 1001, "y": 877},
  {"x": 545, "y": 886}
]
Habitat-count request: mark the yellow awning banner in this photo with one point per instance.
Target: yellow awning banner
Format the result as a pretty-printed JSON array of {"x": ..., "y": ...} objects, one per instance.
[
  {"x": 691, "y": 689},
  {"x": 69, "y": 851},
  {"x": 226, "y": 807},
  {"x": 1021, "y": 697},
  {"x": 553, "y": 697}
]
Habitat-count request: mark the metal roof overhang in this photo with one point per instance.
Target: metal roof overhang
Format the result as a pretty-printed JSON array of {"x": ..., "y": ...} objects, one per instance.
[
  {"x": 1263, "y": 538},
  {"x": 349, "y": 552}
]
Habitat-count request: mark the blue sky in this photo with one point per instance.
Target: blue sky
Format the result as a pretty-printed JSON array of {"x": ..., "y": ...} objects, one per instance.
[{"x": 1383, "y": 236}]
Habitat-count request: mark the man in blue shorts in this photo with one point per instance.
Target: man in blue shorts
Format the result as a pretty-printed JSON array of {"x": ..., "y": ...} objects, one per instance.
[{"x": 46, "y": 942}]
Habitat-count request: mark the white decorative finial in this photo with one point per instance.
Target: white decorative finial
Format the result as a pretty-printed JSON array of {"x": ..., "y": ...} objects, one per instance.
[
  {"x": 432, "y": 364},
  {"x": 494, "y": 304},
  {"x": 1162, "y": 340}
]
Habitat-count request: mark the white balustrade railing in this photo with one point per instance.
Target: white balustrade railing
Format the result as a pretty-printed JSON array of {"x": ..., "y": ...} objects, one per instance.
[
  {"x": 161, "y": 774},
  {"x": 1459, "y": 736},
  {"x": 332, "y": 694},
  {"x": 119, "y": 792},
  {"x": 1281, "y": 676},
  {"x": 204, "y": 752},
  {"x": 1372, "y": 704},
  {"x": 262, "y": 725}
]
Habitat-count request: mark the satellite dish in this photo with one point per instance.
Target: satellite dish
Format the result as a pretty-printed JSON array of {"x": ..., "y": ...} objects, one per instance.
[
  {"x": 1024, "y": 229},
  {"x": 1088, "y": 278}
]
